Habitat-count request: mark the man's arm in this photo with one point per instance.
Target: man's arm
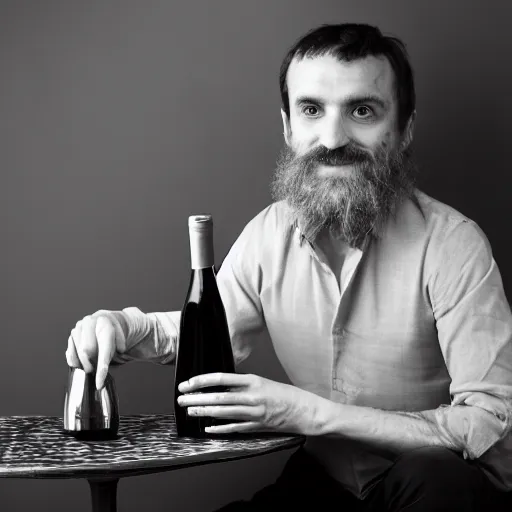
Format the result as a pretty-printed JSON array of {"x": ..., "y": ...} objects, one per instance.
[
  {"x": 396, "y": 432},
  {"x": 256, "y": 404}
]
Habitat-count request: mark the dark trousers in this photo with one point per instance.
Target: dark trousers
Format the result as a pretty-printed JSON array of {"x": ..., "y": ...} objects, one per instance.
[{"x": 425, "y": 479}]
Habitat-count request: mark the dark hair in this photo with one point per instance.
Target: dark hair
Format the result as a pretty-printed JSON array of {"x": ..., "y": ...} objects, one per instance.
[{"x": 351, "y": 41}]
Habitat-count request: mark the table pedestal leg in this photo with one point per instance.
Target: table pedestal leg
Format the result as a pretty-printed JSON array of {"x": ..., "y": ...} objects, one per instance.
[{"x": 104, "y": 494}]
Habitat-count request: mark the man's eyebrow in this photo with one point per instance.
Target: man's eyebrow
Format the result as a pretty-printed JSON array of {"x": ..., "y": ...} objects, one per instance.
[
  {"x": 351, "y": 101},
  {"x": 303, "y": 100},
  {"x": 366, "y": 98}
]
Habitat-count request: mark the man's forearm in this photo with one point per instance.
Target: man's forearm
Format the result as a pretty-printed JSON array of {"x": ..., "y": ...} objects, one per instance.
[{"x": 386, "y": 431}]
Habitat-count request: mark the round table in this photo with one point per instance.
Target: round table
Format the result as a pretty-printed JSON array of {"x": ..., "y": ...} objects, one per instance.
[{"x": 36, "y": 447}]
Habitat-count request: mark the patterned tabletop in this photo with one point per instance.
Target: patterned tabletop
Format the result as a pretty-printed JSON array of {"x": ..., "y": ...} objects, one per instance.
[{"x": 36, "y": 447}]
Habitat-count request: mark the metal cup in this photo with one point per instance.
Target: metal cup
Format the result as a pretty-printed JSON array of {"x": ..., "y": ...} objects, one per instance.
[{"x": 90, "y": 414}]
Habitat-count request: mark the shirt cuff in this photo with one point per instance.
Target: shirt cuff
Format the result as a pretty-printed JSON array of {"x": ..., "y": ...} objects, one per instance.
[{"x": 474, "y": 422}]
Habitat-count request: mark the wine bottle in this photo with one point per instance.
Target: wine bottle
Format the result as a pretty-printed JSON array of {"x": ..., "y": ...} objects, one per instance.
[{"x": 204, "y": 344}]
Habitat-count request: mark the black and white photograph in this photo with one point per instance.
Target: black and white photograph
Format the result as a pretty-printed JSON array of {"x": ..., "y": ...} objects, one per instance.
[{"x": 255, "y": 255}]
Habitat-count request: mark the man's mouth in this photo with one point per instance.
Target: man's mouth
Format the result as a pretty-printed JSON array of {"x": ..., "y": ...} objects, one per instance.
[
  {"x": 330, "y": 163},
  {"x": 334, "y": 170}
]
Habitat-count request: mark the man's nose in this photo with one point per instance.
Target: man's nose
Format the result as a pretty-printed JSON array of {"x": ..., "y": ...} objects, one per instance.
[{"x": 334, "y": 134}]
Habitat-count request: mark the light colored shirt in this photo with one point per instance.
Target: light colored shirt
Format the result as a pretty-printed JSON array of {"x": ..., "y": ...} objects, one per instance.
[{"x": 416, "y": 320}]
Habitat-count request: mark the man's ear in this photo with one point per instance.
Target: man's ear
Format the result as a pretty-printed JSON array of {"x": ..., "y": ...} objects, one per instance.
[
  {"x": 408, "y": 132},
  {"x": 287, "y": 131}
]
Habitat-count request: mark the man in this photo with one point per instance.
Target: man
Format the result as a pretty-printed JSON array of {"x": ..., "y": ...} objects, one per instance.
[{"x": 385, "y": 306}]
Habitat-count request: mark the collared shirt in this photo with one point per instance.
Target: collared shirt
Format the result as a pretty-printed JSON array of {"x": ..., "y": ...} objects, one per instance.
[{"x": 416, "y": 320}]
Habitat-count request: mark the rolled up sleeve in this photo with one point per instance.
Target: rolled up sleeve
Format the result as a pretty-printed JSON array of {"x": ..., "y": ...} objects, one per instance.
[{"x": 474, "y": 324}]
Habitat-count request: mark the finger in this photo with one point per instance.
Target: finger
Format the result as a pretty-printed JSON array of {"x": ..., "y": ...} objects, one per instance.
[
  {"x": 213, "y": 379},
  {"x": 76, "y": 334},
  {"x": 234, "y": 412},
  {"x": 71, "y": 356},
  {"x": 232, "y": 428},
  {"x": 227, "y": 398},
  {"x": 88, "y": 347},
  {"x": 105, "y": 337}
]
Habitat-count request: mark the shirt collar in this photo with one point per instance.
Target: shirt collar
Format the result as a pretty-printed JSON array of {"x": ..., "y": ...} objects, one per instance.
[{"x": 303, "y": 238}]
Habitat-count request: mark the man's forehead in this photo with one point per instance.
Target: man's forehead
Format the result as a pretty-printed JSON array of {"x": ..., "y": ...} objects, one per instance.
[{"x": 327, "y": 75}]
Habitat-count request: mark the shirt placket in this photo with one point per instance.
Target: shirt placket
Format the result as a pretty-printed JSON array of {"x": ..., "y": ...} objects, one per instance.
[
  {"x": 338, "y": 321},
  {"x": 340, "y": 318}
]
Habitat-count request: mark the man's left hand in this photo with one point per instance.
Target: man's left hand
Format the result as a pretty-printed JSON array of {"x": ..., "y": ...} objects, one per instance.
[{"x": 255, "y": 404}]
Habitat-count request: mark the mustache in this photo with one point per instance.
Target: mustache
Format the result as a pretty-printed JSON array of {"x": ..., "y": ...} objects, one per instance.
[{"x": 343, "y": 155}]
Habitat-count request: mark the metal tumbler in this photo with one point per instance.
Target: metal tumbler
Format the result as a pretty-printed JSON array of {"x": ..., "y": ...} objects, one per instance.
[{"x": 90, "y": 414}]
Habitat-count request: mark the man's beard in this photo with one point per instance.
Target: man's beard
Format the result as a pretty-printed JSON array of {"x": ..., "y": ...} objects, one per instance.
[{"x": 351, "y": 205}]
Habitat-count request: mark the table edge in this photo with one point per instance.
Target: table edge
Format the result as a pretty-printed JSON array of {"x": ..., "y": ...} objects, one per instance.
[{"x": 133, "y": 469}]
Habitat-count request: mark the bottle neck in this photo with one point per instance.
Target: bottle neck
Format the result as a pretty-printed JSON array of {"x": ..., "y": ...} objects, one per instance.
[{"x": 201, "y": 248}]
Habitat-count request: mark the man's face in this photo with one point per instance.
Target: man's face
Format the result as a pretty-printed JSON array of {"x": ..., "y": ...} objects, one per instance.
[
  {"x": 333, "y": 103},
  {"x": 344, "y": 165}
]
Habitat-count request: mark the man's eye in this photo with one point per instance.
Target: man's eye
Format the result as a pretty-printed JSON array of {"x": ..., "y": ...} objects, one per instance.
[
  {"x": 363, "y": 112},
  {"x": 310, "y": 110}
]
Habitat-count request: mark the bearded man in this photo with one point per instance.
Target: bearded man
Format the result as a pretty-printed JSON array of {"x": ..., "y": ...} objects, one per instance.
[{"x": 385, "y": 307}]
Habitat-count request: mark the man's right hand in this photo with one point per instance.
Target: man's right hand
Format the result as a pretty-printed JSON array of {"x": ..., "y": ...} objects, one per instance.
[{"x": 94, "y": 341}]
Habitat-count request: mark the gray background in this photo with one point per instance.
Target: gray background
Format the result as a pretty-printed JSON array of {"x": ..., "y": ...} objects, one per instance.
[{"x": 118, "y": 119}]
